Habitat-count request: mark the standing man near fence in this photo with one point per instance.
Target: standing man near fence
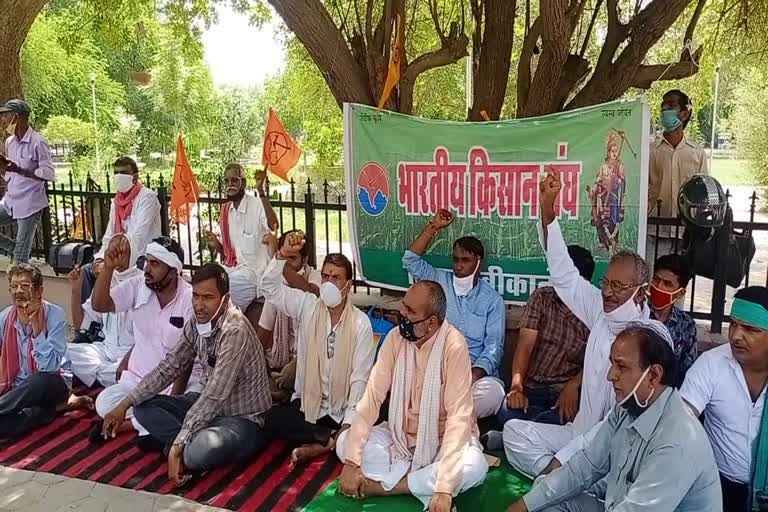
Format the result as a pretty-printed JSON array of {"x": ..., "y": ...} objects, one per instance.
[
  {"x": 246, "y": 222},
  {"x": 673, "y": 160},
  {"x": 134, "y": 213},
  {"x": 26, "y": 167},
  {"x": 474, "y": 308}
]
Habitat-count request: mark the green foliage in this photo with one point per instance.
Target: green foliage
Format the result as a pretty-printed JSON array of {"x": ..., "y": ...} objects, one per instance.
[
  {"x": 238, "y": 124},
  {"x": 750, "y": 120},
  {"x": 68, "y": 130}
]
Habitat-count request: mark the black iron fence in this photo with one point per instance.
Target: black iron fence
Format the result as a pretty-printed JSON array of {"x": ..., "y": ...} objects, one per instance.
[{"x": 81, "y": 211}]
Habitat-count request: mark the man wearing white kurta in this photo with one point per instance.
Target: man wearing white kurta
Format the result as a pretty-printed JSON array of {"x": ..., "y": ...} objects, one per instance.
[
  {"x": 334, "y": 353},
  {"x": 530, "y": 447},
  {"x": 98, "y": 361},
  {"x": 245, "y": 221},
  {"x": 134, "y": 213},
  {"x": 429, "y": 448}
]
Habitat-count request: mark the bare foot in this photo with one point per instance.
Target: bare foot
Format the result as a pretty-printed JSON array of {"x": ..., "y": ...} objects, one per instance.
[
  {"x": 77, "y": 402},
  {"x": 309, "y": 451}
]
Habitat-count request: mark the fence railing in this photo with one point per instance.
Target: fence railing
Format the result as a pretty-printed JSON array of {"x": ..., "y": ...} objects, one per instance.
[{"x": 82, "y": 212}]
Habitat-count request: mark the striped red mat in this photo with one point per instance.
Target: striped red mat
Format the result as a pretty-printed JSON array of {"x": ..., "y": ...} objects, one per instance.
[{"x": 268, "y": 483}]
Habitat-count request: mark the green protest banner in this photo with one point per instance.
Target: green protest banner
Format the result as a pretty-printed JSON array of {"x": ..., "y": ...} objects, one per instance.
[{"x": 400, "y": 170}]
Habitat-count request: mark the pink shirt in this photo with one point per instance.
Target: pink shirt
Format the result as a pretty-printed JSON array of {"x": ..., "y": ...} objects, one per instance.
[
  {"x": 26, "y": 196},
  {"x": 154, "y": 335}
]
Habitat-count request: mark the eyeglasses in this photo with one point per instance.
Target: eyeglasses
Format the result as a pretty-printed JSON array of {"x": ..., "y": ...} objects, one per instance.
[
  {"x": 616, "y": 286},
  {"x": 24, "y": 287},
  {"x": 329, "y": 342}
]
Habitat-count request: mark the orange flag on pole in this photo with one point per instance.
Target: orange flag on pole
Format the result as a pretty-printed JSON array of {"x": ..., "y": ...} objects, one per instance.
[
  {"x": 393, "y": 74},
  {"x": 280, "y": 151},
  {"x": 185, "y": 190}
]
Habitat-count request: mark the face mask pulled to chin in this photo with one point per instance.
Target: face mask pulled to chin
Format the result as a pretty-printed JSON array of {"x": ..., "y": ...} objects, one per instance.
[{"x": 621, "y": 316}]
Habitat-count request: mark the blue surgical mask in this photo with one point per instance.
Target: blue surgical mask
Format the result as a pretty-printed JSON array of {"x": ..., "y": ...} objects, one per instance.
[{"x": 670, "y": 120}]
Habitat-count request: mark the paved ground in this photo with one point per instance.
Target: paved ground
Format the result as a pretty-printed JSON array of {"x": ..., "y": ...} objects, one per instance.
[{"x": 28, "y": 491}]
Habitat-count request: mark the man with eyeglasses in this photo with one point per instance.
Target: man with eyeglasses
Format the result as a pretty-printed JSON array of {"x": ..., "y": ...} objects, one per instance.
[
  {"x": 535, "y": 448},
  {"x": 246, "y": 223},
  {"x": 334, "y": 352},
  {"x": 35, "y": 375}
]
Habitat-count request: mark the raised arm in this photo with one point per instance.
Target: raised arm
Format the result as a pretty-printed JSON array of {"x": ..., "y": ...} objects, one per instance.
[
  {"x": 412, "y": 259},
  {"x": 289, "y": 301},
  {"x": 116, "y": 259},
  {"x": 583, "y": 299},
  {"x": 269, "y": 212}
]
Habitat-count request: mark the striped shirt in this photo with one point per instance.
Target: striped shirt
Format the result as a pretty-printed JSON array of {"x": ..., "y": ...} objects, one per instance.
[{"x": 234, "y": 380}]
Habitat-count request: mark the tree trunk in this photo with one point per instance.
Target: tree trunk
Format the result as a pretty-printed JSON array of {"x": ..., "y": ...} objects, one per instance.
[
  {"x": 310, "y": 22},
  {"x": 494, "y": 59},
  {"x": 16, "y": 18}
]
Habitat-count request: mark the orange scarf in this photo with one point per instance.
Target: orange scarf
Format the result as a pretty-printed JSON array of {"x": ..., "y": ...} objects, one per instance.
[
  {"x": 230, "y": 257},
  {"x": 124, "y": 206},
  {"x": 9, "y": 356}
]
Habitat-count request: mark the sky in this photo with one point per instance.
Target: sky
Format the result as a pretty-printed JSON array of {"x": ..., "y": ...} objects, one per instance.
[{"x": 239, "y": 54}]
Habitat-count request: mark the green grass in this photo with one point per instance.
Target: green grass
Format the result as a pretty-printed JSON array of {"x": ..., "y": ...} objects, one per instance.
[{"x": 732, "y": 172}]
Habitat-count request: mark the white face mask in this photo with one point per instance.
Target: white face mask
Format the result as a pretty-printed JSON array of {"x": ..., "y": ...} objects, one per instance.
[
  {"x": 10, "y": 129},
  {"x": 123, "y": 182},
  {"x": 206, "y": 330},
  {"x": 463, "y": 285},
  {"x": 622, "y": 315},
  {"x": 634, "y": 390},
  {"x": 330, "y": 295}
]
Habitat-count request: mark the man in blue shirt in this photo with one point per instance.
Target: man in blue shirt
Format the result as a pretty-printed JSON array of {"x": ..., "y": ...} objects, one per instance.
[
  {"x": 474, "y": 308},
  {"x": 671, "y": 274},
  {"x": 35, "y": 376}
]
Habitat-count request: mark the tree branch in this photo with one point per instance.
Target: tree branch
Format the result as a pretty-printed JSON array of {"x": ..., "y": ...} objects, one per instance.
[
  {"x": 590, "y": 28},
  {"x": 647, "y": 75},
  {"x": 692, "y": 24},
  {"x": 310, "y": 22},
  {"x": 454, "y": 49},
  {"x": 524, "y": 64}
]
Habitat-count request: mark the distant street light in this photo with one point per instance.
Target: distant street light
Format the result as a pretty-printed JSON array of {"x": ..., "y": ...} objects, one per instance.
[
  {"x": 714, "y": 120},
  {"x": 95, "y": 123}
]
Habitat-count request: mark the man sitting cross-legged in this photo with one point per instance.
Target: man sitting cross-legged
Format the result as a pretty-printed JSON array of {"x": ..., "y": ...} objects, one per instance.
[
  {"x": 98, "y": 361},
  {"x": 474, "y": 308},
  {"x": 276, "y": 330},
  {"x": 222, "y": 423},
  {"x": 621, "y": 298},
  {"x": 728, "y": 384},
  {"x": 160, "y": 303},
  {"x": 548, "y": 361},
  {"x": 35, "y": 376},
  {"x": 334, "y": 352},
  {"x": 652, "y": 453},
  {"x": 429, "y": 448}
]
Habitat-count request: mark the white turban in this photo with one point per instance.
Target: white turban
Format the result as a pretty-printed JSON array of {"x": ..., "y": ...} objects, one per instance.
[
  {"x": 159, "y": 252},
  {"x": 656, "y": 326}
]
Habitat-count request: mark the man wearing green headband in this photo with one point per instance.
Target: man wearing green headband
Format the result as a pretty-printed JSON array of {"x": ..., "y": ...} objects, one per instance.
[{"x": 728, "y": 382}]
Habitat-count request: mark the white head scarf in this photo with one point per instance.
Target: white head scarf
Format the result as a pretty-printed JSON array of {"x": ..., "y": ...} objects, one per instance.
[{"x": 159, "y": 252}]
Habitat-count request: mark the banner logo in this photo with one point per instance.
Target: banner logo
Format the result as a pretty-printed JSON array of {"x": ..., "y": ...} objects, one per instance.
[{"x": 373, "y": 189}]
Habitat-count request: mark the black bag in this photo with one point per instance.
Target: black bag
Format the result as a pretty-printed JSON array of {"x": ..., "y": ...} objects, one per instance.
[
  {"x": 64, "y": 256},
  {"x": 702, "y": 252}
]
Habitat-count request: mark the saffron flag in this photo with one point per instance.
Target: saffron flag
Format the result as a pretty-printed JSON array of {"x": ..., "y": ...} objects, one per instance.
[
  {"x": 393, "y": 74},
  {"x": 280, "y": 151},
  {"x": 185, "y": 190}
]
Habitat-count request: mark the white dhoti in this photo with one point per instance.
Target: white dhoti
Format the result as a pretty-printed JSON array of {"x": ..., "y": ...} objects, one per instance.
[
  {"x": 243, "y": 286},
  {"x": 487, "y": 396},
  {"x": 530, "y": 446},
  {"x": 92, "y": 362},
  {"x": 377, "y": 465},
  {"x": 110, "y": 397}
]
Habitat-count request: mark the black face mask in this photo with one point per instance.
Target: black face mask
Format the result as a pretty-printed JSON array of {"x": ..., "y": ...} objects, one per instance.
[
  {"x": 163, "y": 283},
  {"x": 408, "y": 328},
  {"x": 238, "y": 196}
]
